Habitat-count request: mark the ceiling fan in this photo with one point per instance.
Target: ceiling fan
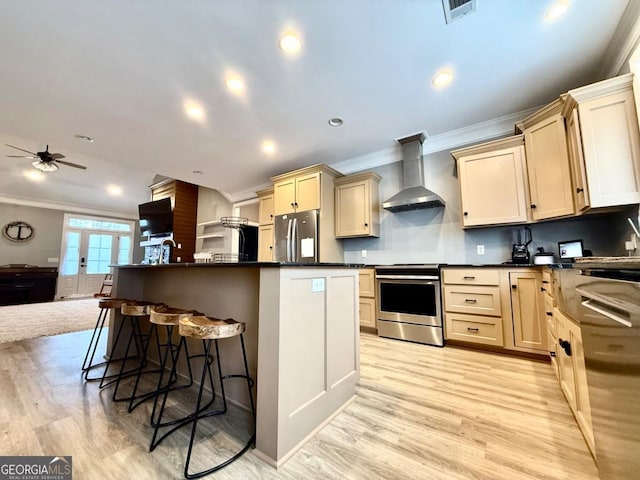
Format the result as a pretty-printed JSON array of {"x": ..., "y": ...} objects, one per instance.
[{"x": 45, "y": 161}]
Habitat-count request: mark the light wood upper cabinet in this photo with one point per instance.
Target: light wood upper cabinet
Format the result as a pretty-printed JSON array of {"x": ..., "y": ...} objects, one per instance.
[
  {"x": 297, "y": 194},
  {"x": 265, "y": 206},
  {"x": 604, "y": 142},
  {"x": 357, "y": 205},
  {"x": 493, "y": 185},
  {"x": 529, "y": 320},
  {"x": 548, "y": 169},
  {"x": 265, "y": 243}
]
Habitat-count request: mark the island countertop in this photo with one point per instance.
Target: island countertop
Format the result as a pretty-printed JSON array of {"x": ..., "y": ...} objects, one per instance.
[
  {"x": 302, "y": 335},
  {"x": 241, "y": 265}
]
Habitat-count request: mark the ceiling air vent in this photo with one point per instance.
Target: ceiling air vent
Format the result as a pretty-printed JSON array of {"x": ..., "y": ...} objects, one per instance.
[{"x": 455, "y": 9}]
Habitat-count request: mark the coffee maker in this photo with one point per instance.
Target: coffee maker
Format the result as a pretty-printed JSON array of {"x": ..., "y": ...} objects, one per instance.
[{"x": 521, "y": 238}]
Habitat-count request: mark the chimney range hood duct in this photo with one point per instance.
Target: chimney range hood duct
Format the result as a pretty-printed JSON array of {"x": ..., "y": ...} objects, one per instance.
[{"x": 414, "y": 196}]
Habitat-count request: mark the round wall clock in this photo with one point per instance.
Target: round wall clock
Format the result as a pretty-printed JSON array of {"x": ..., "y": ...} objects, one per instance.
[{"x": 18, "y": 231}]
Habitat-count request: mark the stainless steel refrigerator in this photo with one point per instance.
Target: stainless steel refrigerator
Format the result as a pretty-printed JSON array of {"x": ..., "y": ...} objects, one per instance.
[{"x": 296, "y": 237}]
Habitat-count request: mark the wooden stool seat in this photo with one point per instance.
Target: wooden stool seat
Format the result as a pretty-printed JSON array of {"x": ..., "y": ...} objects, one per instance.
[
  {"x": 164, "y": 315},
  {"x": 112, "y": 302},
  {"x": 208, "y": 328},
  {"x": 136, "y": 309}
]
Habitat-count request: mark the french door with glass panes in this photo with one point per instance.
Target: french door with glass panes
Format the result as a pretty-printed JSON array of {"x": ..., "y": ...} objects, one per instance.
[{"x": 86, "y": 259}]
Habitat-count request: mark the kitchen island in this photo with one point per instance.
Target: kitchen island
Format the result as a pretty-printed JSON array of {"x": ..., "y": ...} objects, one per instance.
[{"x": 301, "y": 336}]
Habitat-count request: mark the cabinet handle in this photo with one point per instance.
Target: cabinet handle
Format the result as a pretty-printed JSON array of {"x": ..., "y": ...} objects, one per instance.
[
  {"x": 469, "y": 278},
  {"x": 514, "y": 287},
  {"x": 552, "y": 354},
  {"x": 466, "y": 213},
  {"x": 271, "y": 215},
  {"x": 470, "y": 300},
  {"x": 533, "y": 205},
  {"x": 296, "y": 204},
  {"x": 292, "y": 204},
  {"x": 579, "y": 190},
  {"x": 566, "y": 346},
  {"x": 473, "y": 329},
  {"x": 545, "y": 281},
  {"x": 542, "y": 289},
  {"x": 366, "y": 224},
  {"x": 549, "y": 314},
  {"x": 270, "y": 247}
]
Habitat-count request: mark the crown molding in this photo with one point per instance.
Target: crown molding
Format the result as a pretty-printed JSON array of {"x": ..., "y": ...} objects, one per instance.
[
  {"x": 478, "y": 132},
  {"x": 625, "y": 39},
  {"x": 66, "y": 207}
]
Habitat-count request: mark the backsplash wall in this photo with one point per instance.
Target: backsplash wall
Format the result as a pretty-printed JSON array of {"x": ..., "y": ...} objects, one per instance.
[{"x": 436, "y": 235}]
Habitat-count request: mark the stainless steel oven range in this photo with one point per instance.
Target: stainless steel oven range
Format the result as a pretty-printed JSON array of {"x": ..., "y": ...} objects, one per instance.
[{"x": 408, "y": 306}]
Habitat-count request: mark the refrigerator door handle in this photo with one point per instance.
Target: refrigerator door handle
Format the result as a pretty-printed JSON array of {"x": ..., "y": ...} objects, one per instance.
[
  {"x": 288, "y": 240},
  {"x": 294, "y": 241}
]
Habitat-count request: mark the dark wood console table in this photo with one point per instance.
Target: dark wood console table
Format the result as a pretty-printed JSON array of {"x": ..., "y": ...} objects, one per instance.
[{"x": 21, "y": 283}]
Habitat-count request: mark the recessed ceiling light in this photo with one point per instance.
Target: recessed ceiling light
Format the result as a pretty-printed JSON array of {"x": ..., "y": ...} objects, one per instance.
[
  {"x": 442, "y": 78},
  {"x": 84, "y": 138},
  {"x": 556, "y": 10},
  {"x": 34, "y": 176},
  {"x": 194, "y": 111},
  {"x": 235, "y": 84},
  {"x": 290, "y": 43},
  {"x": 268, "y": 147},
  {"x": 197, "y": 172},
  {"x": 335, "y": 122},
  {"x": 114, "y": 190}
]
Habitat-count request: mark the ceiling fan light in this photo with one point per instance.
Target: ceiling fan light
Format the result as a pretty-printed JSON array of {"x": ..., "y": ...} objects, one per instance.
[{"x": 44, "y": 166}]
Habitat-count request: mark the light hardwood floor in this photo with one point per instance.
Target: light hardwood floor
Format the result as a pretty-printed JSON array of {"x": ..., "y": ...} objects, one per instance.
[{"x": 421, "y": 413}]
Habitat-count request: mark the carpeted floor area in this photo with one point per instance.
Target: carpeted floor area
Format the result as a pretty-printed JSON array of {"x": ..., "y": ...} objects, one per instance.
[{"x": 18, "y": 322}]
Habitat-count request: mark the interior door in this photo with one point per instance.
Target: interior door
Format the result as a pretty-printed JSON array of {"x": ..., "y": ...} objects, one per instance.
[
  {"x": 86, "y": 260},
  {"x": 98, "y": 250}
]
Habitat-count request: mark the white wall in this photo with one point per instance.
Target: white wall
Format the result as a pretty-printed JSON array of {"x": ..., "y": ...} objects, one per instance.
[{"x": 436, "y": 235}]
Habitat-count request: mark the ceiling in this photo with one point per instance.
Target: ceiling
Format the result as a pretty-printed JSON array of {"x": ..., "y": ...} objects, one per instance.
[{"x": 122, "y": 71}]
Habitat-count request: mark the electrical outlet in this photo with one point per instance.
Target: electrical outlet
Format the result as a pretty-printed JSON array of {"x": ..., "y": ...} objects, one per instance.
[
  {"x": 363, "y": 253},
  {"x": 480, "y": 249},
  {"x": 179, "y": 246}
]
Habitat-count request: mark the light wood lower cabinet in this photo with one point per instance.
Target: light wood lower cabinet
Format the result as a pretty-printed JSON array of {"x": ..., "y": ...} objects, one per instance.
[
  {"x": 573, "y": 374},
  {"x": 495, "y": 306},
  {"x": 527, "y": 308},
  {"x": 367, "y": 298},
  {"x": 474, "y": 328}
]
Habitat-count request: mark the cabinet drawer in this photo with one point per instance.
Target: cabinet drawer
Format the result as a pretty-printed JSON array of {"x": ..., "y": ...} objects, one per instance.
[
  {"x": 366, "y": 277},
  {"x": 552, "y": 343},
  {"x": 472, "y": 328},
  {"x": 473, "y": 300},
  {"x": 471, "y": 276},
  {"x": 368, "y": 312},
  {"x": 546, "y": 277}
]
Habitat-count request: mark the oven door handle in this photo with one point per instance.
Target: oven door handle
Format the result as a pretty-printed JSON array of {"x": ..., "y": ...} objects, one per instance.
[
  {"x": 602, "y": 310},
  {"x": 407, "y": 277}
]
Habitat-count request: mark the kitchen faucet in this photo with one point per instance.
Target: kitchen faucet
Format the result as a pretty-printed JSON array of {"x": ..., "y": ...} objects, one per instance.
[{"x": 161, "y": 256}]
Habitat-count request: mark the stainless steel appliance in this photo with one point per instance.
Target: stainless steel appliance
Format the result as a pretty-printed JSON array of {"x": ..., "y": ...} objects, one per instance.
[
  {"x": 608, "y": 302},
  {"x": 296, "y": 237},
  {"x": 408, "y": 306}
]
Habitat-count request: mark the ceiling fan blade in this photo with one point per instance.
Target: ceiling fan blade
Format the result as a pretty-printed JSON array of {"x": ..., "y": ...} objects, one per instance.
[
  {"x": 69, "y": 164},
  {"x": 55, "y": 156},
  {"x": 22, "y": 149},
  {"x": 20, "y": 156}
]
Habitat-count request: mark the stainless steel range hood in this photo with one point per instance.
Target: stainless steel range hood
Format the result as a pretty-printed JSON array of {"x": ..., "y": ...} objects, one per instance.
[{"x": 414, "y": 195}]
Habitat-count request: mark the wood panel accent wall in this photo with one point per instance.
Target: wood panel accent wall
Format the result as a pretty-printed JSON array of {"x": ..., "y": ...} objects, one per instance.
[{"x": 184, "y": 200}]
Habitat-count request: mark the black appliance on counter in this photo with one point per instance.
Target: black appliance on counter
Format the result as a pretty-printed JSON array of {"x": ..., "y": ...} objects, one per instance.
[
  {"x": 520, "y": 251},
  {"x": 408, "y": 306}
]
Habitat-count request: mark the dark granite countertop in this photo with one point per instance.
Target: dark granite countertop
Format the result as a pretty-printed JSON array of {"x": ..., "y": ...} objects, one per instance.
[
  {"x": 243, "y": 265},
  {"x": 505, "y": 265}
]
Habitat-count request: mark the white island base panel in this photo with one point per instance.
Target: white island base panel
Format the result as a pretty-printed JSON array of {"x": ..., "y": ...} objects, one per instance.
[
  {"x": 308, "y": 362},
  {"x": 301, "y": 337}
]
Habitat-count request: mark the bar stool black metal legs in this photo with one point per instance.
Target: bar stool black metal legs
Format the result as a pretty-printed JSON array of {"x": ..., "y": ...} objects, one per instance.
[{"x": 210, "y": 330}]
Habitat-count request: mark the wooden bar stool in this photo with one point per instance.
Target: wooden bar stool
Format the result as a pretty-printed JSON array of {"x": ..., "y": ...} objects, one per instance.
[
  {"x": 210, "y": 331},
  {"x": 133, "y": 312},
  {"x": 105, "y": 305},
  {"x": 168, "y": 317}
]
